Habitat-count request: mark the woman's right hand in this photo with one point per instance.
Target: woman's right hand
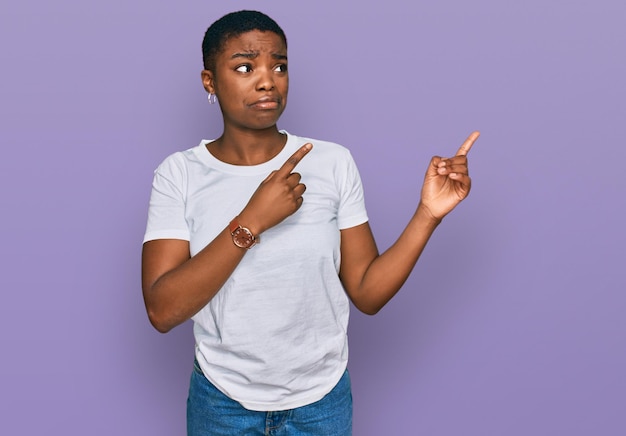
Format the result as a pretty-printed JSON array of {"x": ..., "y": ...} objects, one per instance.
[{"x": 277, "y": 197}]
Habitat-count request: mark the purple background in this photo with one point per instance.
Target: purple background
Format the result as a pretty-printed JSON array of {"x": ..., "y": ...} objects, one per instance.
[{"x": 513, "y": 322}]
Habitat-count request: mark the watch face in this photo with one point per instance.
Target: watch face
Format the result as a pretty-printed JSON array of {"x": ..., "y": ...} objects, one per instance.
[{"x": 243, "y": 238}]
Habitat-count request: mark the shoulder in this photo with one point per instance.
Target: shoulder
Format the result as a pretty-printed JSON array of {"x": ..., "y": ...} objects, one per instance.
[{"x": 177, "y": 164}]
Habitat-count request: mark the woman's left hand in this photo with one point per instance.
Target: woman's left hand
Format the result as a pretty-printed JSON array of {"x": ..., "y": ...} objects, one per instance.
[{"x": 447, "y": 181}]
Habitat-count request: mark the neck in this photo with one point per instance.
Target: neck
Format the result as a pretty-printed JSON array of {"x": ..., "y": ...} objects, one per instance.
[{"x": 247, "y": 147}]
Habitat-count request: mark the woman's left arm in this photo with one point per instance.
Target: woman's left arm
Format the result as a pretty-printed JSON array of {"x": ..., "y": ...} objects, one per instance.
[{"x": 372, "y": 279}]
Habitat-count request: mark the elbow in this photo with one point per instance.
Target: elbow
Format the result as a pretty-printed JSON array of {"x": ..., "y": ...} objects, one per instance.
[
  {"x": 161, "y": 328},
  {"x": 159, "y": 322},
  {"x": 369, "y": 309},
  {"x": 158, "y": 314},
  {"x": 368, "y": 306}
]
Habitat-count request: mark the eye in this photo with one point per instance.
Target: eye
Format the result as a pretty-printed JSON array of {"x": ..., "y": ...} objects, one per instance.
[
  {"x": 245, "y": 68},
  {"x": 282, "y": 68}
]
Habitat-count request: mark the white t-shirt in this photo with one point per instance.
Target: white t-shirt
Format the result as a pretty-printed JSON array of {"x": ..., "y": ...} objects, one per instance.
[{"x": 274, "y": 336}]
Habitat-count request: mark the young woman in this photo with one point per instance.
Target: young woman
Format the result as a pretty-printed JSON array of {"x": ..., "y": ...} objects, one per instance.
[{"x": 265, "y": 259}]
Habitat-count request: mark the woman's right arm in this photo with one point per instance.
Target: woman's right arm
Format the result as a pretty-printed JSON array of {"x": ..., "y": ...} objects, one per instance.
[{"x": 176, "y": 286}]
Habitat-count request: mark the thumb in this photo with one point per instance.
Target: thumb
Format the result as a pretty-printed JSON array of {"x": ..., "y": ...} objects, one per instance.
[{"x": 434, "y": 165}]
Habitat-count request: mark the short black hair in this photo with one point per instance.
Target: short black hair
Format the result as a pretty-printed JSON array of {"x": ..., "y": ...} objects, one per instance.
[{"x": 231, "y": 25}]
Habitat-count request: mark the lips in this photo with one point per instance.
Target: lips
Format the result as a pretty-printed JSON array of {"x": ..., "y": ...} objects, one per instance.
[{"x": 266, "y": 103}]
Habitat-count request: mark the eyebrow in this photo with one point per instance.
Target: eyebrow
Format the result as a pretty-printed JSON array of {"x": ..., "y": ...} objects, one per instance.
[{"x": 254, "y": 54}]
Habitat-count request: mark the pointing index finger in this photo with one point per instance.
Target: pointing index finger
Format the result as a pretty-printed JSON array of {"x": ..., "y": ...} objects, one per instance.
[
  {"x": 467, "y": 145},
  {"x": 295, "y": 158}
]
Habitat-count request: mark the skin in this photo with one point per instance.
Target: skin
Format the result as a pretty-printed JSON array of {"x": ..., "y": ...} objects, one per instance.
[{"x": 251, "y": 82}]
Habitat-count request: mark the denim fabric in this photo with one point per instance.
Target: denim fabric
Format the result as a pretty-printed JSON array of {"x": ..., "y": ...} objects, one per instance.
[{"x": 211, "y": 413}]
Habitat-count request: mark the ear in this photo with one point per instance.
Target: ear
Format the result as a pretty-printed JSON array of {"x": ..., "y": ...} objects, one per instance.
[{"x": 208, "y": 81}]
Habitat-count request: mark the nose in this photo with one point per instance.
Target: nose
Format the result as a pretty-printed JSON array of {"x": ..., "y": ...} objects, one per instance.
[{"x": 266, "y": 80}]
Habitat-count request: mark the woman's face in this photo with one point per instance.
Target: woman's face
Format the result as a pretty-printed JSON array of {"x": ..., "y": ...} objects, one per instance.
[{"x": 250, "y": 80}]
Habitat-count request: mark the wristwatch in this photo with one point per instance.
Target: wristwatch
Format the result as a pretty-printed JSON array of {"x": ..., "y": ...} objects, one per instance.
[{"x": 242, "y": 236}]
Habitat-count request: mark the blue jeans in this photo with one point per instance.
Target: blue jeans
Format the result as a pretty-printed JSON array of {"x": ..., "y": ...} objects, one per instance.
[{"x": 211, "y": 413}]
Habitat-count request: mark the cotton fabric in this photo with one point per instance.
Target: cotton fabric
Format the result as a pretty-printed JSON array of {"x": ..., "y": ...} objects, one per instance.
[{"x": 275, "y": 336}]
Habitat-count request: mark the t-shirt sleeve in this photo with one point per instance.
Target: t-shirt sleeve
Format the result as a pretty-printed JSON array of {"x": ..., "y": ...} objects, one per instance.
[
  {"x": 352, "y": 210},
  {"x": 166, "y": 213}
]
